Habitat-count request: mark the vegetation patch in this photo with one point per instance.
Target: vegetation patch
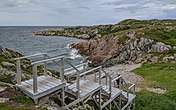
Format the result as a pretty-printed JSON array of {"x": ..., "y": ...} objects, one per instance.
[
  {"x": 161, "y": 75},
  {"x": 3, "y": 59},
  {"x": 153, "y": 101},
  {"x": 5, "y": 78},
  {"x": 22, "y": 99}
]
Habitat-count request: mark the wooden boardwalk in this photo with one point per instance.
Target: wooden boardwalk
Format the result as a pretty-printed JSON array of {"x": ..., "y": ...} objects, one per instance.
[{"x": 81, "y": 90}]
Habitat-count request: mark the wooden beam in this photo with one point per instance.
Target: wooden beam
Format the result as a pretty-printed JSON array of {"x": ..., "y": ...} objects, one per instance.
[
  {"x": 53, "y": 61},
  {"x": 47, "y": 60},
  {"x": 117, "y": 78},
  {"x": 29, "y": 56},
  {"x": 18, "y": 67},
  {"x": 77, "y": 84},
  {"x": 34, "y": 69},
  {"x": 62, "y": 70},
  {"x": 77, "y": 66},
  {"x": 63, "y": 97},
  {"x": 100, "y": 98},
  {"x": 110, "y": 86},
  {"x": 91, "y": 70},
  {"x": 99, "y": 77},
  {"x": 84, "y": 69},
  {"x": 45, "y": 65}
]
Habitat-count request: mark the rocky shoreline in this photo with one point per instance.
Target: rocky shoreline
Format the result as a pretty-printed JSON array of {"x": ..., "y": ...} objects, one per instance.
[
  {"x": 128, "y": 41},
  {"x": 61, "y": 32}
]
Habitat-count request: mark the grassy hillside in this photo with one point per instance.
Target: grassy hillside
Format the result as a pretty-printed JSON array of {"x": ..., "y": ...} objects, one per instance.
[
  {"x": 159, "y": 30},
  {"x": 160, "y": 75}
]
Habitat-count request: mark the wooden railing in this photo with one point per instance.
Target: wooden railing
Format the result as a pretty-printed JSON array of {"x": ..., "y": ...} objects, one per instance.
[
  {"x": 79, "y": 75},
  {"x": 18, "y": 65},
  {"x": 41, "y": 62},
  {"x": 120, "y": 84},
  {"x": 109, "y": 83}
]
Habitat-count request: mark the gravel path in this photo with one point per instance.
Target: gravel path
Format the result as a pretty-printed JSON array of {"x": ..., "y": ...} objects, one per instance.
[
  {"x": 127, "y": 75},
  {"x": 125, "y": 71}
]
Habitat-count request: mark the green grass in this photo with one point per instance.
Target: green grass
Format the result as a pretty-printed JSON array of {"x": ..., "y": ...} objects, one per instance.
[
  {"x": 5, "y": 78},
  {"x": 161, "y": 75},
  {"x": 22, "y": 99},
  {"x": 153, "y": 101},
  {"x": 122, "y": 39},
  {"x": 3, "y": 59}
]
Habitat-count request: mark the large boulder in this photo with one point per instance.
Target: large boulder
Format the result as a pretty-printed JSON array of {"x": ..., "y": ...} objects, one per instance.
[{"x": 160, "y": 47}]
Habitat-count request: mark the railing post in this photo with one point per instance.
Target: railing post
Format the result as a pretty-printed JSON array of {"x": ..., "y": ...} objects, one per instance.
[
  {"x": 84, "y": 69},
  {"x": 77, "y": 83},
  {"x": 120, "y": 83},
  {"x": 95, "y": 77},
  {"x": 45, "y": 65},
  {"x": 99, "y": 76},
  {"x": 106, "y": 79},
  {"x": 62, "y": 70},
  {"x": 18, "y": 67},
  {"x": 110, "y": 86},
  {"x": 34, "y": 69}
]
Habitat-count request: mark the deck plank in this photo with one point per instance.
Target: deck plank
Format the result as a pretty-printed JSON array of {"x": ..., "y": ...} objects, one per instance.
[
  {"x": 46, "y": 85},
  {"x": 86, "y": 87}
]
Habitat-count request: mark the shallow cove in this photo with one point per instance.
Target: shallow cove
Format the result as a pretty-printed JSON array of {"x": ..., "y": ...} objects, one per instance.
[{"x": 22, "y": 40}]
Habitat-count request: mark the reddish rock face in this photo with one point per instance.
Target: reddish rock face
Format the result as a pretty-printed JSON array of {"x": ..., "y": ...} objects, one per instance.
[
  {"x": 82, "y": 47},
  {"x": 99, "y": 49}
]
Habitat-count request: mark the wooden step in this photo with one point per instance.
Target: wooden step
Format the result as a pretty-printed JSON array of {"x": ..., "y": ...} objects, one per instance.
[{"x": 115, "y": 92}]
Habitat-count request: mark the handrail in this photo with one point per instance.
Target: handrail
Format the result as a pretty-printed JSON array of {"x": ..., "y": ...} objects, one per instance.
[
  {"x": 29, "y": 56},
  {"x": 72, "y": 65},
  {"x": 117, "y": 78},
  {"x": 47, "y": 60},
  {"x": 129, "y": 88},
  {"x": 77, "y": 66},
  {"x": 90, "y": 70},
  {"x": 53, "y": 60}
]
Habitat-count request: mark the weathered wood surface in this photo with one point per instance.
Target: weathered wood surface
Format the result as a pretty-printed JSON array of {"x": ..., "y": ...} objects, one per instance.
[
  {"x": 114, "y": 93},
  {"x": 46, "y": 85},
  {"x": 29, "y": 56},
  {"x": 86, "y": 87},
  {"x": 47, "y": 60}
]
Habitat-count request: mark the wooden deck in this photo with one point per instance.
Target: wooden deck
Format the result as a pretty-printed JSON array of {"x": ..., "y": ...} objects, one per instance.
[
  {"x": 114, "y": 91},
  {"x": 46, "y": 85},
  {"x": 82, "y": 89},
  {"x": 86, "y": 87}
]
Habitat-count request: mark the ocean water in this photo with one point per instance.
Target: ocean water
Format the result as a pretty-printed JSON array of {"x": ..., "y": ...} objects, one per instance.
[{"x": 22, "y": 40}]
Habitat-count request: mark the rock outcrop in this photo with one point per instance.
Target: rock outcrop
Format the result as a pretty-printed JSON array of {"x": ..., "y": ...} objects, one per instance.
[
  {"x": 109, "y": 52},
  {"x": 127, "y": 41}
]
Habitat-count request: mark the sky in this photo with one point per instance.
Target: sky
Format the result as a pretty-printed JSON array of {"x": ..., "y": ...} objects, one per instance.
[{"x": 82, "y": 12}]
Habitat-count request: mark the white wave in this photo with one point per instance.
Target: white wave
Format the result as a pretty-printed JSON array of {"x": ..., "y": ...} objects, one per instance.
[{"x": 74, "y": 54}]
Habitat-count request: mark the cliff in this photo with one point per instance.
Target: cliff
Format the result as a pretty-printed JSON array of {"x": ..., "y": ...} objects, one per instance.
[{"x": 128, "y": 41}]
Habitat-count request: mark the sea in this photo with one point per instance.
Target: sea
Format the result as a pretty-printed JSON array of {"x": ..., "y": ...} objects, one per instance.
[{"x": 22, "y": 40}]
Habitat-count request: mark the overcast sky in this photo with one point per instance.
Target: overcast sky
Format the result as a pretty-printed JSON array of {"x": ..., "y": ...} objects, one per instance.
[{"x": 82, "y": 12}]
